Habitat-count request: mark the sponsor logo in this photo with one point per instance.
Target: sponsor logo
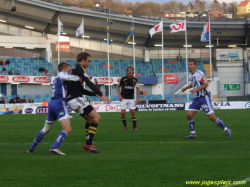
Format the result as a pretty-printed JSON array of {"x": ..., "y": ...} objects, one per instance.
[
  {"x": 112, "y": 108},
  {"x": 170, "y": 78},
  {"x": 42, "y": 110},
  {"x": 247, "y": 105},
  {"x": 4, "y": 78},
  {"x": 41, "y": 79},
  {"x": 221, "y": 104},
  {"x": 28, "y": 110},
  {"x": 106, "y": 80},
  {"x": 24, "y": 79}
]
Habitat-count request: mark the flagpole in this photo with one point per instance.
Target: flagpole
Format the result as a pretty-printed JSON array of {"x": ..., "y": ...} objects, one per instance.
[
  {"x": 83, "y": 35},
  {"x": 133, "y": 48},
  {"x": 162, "y": 61},
  {"x": 108, "y": 62},
  {"x": 58, "y": 36},
  {"x": 186, "y": 55},
  {"x": 210, "y": 51}
]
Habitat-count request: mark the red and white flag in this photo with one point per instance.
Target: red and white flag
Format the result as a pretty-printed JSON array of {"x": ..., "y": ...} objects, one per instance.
[
  {"x": 156, "y": 29},
  {"x": 177, "y": 27}
]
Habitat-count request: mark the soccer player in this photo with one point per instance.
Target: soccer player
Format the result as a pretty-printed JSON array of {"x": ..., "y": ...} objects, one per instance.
[
  {"x": 125, "y": 89},
  {"x": 57, "y": 110},
  {"x": 76, "y": 102},
  {"x": 2, "y": 97},
  {"x": 202, "y": 100}
]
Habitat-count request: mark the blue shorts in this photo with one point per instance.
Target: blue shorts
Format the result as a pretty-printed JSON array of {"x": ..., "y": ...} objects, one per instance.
[
  {"x": 203, "y": 103},
  {"x": 57, "y": 110}
]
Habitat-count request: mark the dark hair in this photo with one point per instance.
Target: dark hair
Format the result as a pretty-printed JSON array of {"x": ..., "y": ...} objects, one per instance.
[
  {"x": 62, "y": 65},
  {"x": 193, "y": 60},
  {"x": 82, "y": 56},
  {"x": 130, "y": 67}
]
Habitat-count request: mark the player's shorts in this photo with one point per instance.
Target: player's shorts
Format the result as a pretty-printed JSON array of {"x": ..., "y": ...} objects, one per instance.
[
  {"x": 203, "y": 103},
  {"x": 57, "y": 110},
  {"x": 80, "y": 106},
  {"x": 128, "y": 104}
]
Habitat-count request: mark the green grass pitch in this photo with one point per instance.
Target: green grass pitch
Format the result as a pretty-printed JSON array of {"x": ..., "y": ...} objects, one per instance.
[{"x": 155, "y": 156}]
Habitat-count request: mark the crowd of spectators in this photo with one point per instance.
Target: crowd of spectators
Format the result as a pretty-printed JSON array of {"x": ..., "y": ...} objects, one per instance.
[{"x": 17, "y": 99}]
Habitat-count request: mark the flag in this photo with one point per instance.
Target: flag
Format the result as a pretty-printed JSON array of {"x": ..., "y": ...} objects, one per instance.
[
  {"x": 79, "y": 30},
  {"x": 60, "y": 28},
  {"x": 108, "y": 34},
  {"x": 177, "y": 27},
  {"x": 205, "y": 34},
  {"x": 156, "y": 29},
  {"x": 130, "y": 33}
]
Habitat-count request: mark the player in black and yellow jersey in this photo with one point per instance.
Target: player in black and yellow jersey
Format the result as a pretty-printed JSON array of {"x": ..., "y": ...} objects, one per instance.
[
  {"x": 75, "y": 100},
  {"x": 126, "y": 91}
]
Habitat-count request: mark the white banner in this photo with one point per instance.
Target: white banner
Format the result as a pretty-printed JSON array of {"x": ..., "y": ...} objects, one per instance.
[
  {"x": 226, "y": 105},
  {"x": 24, "y": 79}
]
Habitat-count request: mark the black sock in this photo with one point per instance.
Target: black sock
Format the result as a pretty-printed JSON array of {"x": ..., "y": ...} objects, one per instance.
[
  {"x": 87, "y": 128},
  {"x": 134, "y": 119},
  {"x": 124, "y": 121},
  {"x": 92, "y": 131}
]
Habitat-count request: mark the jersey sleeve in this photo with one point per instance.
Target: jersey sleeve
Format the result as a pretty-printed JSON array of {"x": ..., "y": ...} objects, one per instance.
[
  {"x": 137, "y": 82},
  {"x": 120, "y": 82},
  {"x": 64, "y": 76},
  {"x": 84, "y": 75},
  {"x": 87, "y": 92},
  {"x": 202, "y": 78}
]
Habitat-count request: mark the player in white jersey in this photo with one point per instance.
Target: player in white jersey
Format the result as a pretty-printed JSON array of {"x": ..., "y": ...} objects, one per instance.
[
  {"x": 2, "y": 97},
  {"x": 57, "y": 110},
  {"x": 202, "y": 100}
]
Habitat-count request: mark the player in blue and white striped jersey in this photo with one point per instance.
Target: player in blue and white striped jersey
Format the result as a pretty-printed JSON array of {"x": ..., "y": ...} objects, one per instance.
[
  {"x": 57, "y": 110},
  {"x": 202, "y": 100}
]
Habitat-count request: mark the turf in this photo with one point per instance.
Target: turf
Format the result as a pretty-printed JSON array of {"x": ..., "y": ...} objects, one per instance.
[{"x": 155, "y": 156}]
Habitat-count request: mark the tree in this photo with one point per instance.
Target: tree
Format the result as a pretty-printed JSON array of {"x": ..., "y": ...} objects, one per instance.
[
  {"x": 224, "y": 7},
  {"x": 216, "y": 5}
]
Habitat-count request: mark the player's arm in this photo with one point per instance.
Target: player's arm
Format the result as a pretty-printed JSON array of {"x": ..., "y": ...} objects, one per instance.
[
  {"x": 64, "y": 76},
  {"x": 138, "y": 92},
  {"x": 3, "y": 98},
  {"x": 187, "y": 87},
  {"x": 118, "y": 89},
  {"x": 87, "y": 92}
]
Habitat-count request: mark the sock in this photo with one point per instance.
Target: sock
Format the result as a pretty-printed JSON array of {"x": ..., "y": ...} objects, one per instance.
[
  {"x": 124, "y": 121},
  {"x": 134, "y": 119},
  {"x": 221, "y": 124},
  {"x": 87, "y": 129},
  {"x": 92, "y": 131},
  {"x": 192, "y": 126},
  {"x": 37, "y": 140},
  {"x": 60, "y": 139}
]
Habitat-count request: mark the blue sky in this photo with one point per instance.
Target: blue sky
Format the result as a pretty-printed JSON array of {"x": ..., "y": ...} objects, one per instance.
[{"x": 183, "y": 1}]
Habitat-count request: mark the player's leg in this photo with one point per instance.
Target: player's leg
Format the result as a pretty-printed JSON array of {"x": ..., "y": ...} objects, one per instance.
[
  {"x": 131, "y": 107},
  {"x": 87, "y": 124},
  {"x": 64, "y": 118},
  {"x": 124, "y": 106},
  {"x": 192, "y": 110},
  {"x": 208, "y": 108},
  {"x": 51, "y": 117},
  {"x": 40, "y": 135}
]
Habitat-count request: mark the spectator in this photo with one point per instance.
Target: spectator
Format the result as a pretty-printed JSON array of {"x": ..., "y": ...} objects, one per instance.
[
  {"x": 10, "y": 72},
  {"x": 4, "y": 69},
  {"x": 1, "y": 62},
  {"x": 45, "y": 103},
  {"x": 7, "y": 62},
  {"x": 18, "y": 100},
  {"x": 31, "y": 100},
  {"x": 178, "y": 58},
  {"x": 13, "y": 100},
  {"x": 23, "y": 100},
  {"x": 41, "y": 57},
  {"x": 16, "y": 72},
  {"x": 34, "y": 57},
  {"x": 41, "y": 69}
]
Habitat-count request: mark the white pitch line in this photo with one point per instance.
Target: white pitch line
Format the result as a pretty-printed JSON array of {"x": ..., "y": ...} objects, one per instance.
[
  {"x": 187, "y": 142},
  {"x": 246, "y": 179}
]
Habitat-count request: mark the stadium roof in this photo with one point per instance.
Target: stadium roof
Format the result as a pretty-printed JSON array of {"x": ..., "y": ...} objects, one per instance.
[{"x": 43, "y": 17}]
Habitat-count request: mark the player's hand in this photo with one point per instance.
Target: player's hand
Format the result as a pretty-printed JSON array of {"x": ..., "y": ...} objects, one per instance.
[
  {"x": 183, "y": 89},
  {"x": 104, "y": 98},
  {"x": 193, "y": 91},
  {"x": 138, "y": 101},
  {"x": 120, "y": 98},
  {"x": 80, "y": 79}
]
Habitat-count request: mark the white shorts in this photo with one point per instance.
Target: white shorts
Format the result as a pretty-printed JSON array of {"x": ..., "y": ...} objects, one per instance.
[
  {"x": 78, "y": 105},
  {"x": 128, "y": 104}
]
